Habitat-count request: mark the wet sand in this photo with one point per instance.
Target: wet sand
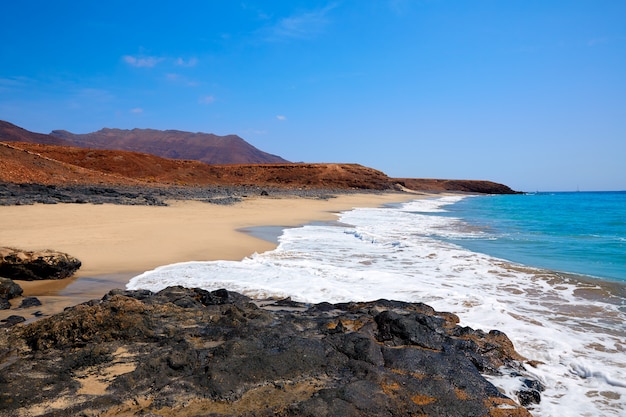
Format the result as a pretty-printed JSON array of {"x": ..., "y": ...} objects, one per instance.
[{"x": 116, "y": 242}]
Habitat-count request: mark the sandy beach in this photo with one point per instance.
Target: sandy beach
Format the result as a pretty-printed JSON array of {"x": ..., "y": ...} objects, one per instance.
[{"x": 116, "y": 242}]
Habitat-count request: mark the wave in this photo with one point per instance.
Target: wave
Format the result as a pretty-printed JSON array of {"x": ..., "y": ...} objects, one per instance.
[{"x": 401, "y": 253}]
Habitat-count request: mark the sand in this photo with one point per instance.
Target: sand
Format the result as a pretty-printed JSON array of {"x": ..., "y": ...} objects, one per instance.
[{"x": 117, "y": 242}]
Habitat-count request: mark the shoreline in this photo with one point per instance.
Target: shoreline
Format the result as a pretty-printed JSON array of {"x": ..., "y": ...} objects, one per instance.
[{"x": 117, "y": 242}]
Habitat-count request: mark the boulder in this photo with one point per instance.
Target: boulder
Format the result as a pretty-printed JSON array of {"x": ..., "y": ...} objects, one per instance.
[
  {"x": 36, "y": 265},
  {"x": 8, "y": 290},
  {"x": 11, "y": 321},
  {"x": 28, "y": 302},
  {"x": 194, "y": 352}
]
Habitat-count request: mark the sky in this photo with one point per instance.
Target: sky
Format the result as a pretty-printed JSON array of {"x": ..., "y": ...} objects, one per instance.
[{"x": 529, "y": 93}]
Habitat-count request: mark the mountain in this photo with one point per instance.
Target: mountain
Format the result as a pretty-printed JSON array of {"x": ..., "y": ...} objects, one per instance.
[
  {"x": 11, "y": 133},
  {"x": 174, "y": 144},
  {"x": 28, "y": 157}
]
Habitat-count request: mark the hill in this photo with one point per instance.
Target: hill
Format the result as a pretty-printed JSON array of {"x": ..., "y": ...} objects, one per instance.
[
  {"x": 470, "y": 186},
  {"x": 174, "y": 144},
  {"x": 11, "y": 133},
  {"x": 204, "y": 147},
  {"x": 34, "y": 158},
  {"x": 50, "y": 164},
  {"x": 21, "y": 166}
]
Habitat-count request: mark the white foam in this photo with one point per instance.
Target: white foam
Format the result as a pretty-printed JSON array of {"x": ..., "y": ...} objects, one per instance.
[{"x": 396, "y": 253}]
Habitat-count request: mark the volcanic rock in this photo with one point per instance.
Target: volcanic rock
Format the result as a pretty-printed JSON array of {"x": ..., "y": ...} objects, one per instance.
[
  {"x": 8, "y": 290},
  {"x": 37, "y": 265},
  {"x": 11, "y": 321},
  {"x": 198, "y": 353},
  {"x": 30, "y": 302}
]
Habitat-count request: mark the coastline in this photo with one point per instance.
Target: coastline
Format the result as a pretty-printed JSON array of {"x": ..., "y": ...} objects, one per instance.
[{"x": 116, "y": 242}]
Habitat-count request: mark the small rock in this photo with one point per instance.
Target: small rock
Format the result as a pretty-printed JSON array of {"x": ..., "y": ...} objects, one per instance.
[
  {"x": 531, "y": 392},
  {"x": 8, "y": 290},
  {"x": 30, "y": 302},
  {"x": 29, "y": 265},
  {"x": 11, "y": 321}
]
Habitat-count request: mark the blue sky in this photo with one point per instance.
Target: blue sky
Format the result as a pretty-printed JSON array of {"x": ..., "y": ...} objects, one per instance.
[{"x": 523, "y": 92}]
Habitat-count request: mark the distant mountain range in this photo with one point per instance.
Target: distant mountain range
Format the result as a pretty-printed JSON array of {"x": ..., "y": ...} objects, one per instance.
[
  {"x": 191, "y": 159},
  {"x": 174, "y": 144}
]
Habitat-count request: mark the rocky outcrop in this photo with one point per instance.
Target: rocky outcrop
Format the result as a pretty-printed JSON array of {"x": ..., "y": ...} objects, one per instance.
[
  {"x": 29, "y": 265},
  {"x": 8, "y": 290},
  {"x": 146, "y": 157},
  {"x": 467, "y": 186},
  {"x": 193, "y": 352}
]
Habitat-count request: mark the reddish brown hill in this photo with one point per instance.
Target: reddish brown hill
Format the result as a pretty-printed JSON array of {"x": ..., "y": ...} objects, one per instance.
[
  {"x": 117, "y": 166},
  {"x": 21, "y": 166},
  {"x": 11, "y": 133},
  {"x": 205, "y": 147},
  {"x": 175, "y": 144},
  {"x": 470, "y": 186},
  {"x": 27, "y": 160}
]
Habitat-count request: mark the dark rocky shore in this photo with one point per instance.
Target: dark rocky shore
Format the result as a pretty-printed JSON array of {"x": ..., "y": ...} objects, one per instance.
[
  {"x": 26, "y": 194},
  {"x": 189, "y": 352}
]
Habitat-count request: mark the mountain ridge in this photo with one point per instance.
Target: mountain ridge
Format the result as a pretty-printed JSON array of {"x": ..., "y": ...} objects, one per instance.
[
  {"x": 25, "y": 160},
  {"x": 176, "y": 144}
]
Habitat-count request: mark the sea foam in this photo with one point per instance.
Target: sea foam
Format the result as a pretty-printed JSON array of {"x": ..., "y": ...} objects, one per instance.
[{"x": 401, "y": 253}]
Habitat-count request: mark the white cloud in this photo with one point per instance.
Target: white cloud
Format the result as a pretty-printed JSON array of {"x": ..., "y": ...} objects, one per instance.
[
  {"x": 142, "y": 61},
  {"x": 206, "y": 100},
  {"x": 136, "y": 110},
  {"x": 181, "y": 80},
  {"x": 281, "y": 117},
  {"x": 191, "y": 62},
  {"x": 304, "y": 25}
]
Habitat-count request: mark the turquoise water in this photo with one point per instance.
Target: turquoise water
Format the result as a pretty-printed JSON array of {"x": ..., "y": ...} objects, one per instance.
[
  {"x": 572, "y": 327},
  {"x": 573, "y": 232}
]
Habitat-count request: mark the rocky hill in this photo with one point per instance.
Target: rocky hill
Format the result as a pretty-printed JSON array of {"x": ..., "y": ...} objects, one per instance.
[
  {"x": 48, "y": 164},
  {"x": 175, "y": 144},
  {"x": 33, "y": 158},
  {"x": 21, "y": 166},
  {"x": 11, "y": 133},
  {"x": 470, "y": 186},
  {"x": 204, "y": 147}
]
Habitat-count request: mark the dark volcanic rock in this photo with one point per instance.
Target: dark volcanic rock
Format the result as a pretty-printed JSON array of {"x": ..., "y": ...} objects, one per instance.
[
  {"x": 30, "y": 302},
  {"x": 24, "y": 194},
  {"x": 218, "y": 353},
  {"x": 8, "y": 290},
  {"x": 11, "y": 321},
  {"x": 29, "y": 266}
]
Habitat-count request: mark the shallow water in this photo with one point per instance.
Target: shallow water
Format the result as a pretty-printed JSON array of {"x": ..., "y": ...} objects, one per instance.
[{"x": 573, "y": 325}]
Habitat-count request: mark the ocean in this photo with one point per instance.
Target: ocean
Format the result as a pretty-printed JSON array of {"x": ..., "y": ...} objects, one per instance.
[{"x": 548, "y": 269}]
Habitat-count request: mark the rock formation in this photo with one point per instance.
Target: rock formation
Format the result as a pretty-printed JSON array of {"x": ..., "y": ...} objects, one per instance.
[
  {"x": 110, "y": 157},
  {"x": 8, "y": 290},
  {"x": 29, "y": 265},
  {"x": 196, "y": 353}
]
